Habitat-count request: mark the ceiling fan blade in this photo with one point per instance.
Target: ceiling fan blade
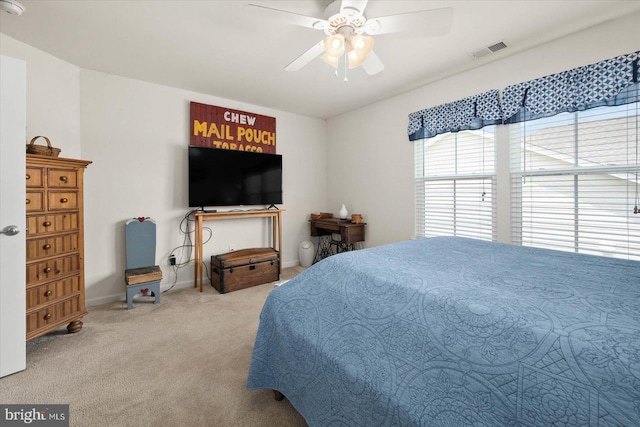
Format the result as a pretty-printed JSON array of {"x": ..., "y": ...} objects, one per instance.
[
  {"x": 288, "y": 17},
  {"x": 353, "y": 7},
  {"x": 434, "y": 22},
  {"x": 302, "y": 60},
  {"x": 372, "y": 65}
]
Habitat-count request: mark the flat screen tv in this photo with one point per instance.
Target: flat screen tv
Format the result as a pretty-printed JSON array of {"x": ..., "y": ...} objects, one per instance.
[{"x": 219, "y": 177}]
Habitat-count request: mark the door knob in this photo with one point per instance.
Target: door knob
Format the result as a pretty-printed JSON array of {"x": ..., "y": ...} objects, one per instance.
[{"x": 10, "y": 230}]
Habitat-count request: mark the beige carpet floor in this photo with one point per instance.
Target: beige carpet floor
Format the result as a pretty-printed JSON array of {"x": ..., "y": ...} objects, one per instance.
[{"x": 183, "y": 362}]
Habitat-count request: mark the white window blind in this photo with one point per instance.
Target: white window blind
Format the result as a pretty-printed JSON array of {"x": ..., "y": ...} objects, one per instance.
[
  {"x": 455, "y": 184},
  {"x": 575, "y": 182}
]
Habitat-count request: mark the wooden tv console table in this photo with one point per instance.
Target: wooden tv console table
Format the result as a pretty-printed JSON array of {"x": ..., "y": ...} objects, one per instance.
[{"x": 200, "y": 217}]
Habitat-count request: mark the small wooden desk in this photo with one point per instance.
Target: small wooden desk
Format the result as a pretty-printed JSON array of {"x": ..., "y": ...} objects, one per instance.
[
  {"x": 200, "y": 217},
  {"x": 323, "y": 228}
]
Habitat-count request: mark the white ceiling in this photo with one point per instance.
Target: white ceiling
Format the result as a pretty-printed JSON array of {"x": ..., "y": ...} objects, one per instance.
[{"x": 219, "y": 48}]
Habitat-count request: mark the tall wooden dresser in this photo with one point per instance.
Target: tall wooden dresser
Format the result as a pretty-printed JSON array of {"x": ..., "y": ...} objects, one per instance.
[{"x": 55, "y": 244}]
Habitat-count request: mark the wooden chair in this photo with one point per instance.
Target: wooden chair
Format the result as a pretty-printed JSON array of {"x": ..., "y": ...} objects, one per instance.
[{"x": 142, "y": 275}]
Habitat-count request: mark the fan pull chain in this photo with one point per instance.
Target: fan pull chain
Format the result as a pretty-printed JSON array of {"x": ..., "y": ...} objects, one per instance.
[{"x": 346, "y": 60}]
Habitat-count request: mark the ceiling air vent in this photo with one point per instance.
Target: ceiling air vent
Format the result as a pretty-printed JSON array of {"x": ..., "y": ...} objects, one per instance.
[
  {"x": 487, "y": 50},
  {"x": 496, "y": 47}
]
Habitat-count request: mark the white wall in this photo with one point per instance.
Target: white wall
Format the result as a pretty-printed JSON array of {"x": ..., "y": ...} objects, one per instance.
[
  {"x": 371, "y": 171},
  {"x": 53, "y": 96},
  {"x": 137, "y": 134},
  {"x": 371, "y": 166}
]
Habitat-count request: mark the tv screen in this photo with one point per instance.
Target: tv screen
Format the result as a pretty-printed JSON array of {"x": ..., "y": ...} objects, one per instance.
[{"x": 219, "y": 177}]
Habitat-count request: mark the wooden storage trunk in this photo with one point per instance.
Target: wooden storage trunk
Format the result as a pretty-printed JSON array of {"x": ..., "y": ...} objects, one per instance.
[{"x": 244, "y": 268}]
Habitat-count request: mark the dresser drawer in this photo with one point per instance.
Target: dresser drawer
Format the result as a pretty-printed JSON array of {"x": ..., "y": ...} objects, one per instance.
[
  {"x": 50, "y": 246},
  {"x": 60, "y": 312},
  {"x": 62, "y": 178},
  {"x": 63, "y": 200},
  {"x": 35, "y": 201},
  {"x": 51, "y": 292},
  {"x": 46, "y": 224},
  {"x": 52, "y": 269},
  {"x": 34, "y": 177}
]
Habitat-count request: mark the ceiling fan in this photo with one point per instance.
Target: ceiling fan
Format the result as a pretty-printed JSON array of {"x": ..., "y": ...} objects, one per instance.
[{"x": 348, "y": 33}]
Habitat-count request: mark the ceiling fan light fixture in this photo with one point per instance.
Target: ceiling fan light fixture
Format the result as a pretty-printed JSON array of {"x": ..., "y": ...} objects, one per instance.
[
  {"x": 359, "y": 48},
  {"x": 331, "y": 60},
  {"x": 354, "y": 59},
  {"x": 362, "y": 44},
  {"x": 334, "y": 45}
]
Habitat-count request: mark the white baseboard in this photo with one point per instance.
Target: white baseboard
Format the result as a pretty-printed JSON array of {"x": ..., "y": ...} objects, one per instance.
[
  {"x": 92, "y": 302},
  {"x": 290, "y": 264}
]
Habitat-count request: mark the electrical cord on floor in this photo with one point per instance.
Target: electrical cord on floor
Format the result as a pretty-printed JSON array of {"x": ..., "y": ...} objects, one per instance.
[{"x": 186, "y": 249}]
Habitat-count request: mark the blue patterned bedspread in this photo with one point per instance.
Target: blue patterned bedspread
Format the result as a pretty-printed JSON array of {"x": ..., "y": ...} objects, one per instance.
[{"x": 451, "y": 331}]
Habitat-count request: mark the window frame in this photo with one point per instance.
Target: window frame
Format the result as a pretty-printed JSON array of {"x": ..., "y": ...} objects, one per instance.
[
  {"x": 421, "y": 179},
  {"x": 583, "y": 175}
]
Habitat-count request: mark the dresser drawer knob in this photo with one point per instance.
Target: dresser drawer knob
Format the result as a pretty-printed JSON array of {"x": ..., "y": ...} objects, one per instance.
[
  {"x": 64, "y": 179},
  {"x": 48, "y": 293},
  {"x": 46, "y": 247},
  {"x": 28, "y": 201},
  {"x": 28, "y": 176},
  {"x": 64, "y": 200},
  {"x": 47, "y": 316},
  {"x": 47, "y": 223},
  {"x": 47, "y": 270}
]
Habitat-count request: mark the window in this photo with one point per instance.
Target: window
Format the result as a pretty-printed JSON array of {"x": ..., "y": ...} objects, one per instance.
[
  {"x": 572, "y": 183},
  {"x": 575, "y": 182},
  {"x": 455, "y": 184}
]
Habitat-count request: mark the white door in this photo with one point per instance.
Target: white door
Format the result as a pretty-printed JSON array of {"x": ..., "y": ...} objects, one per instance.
[{"x": 13, "y": 124}]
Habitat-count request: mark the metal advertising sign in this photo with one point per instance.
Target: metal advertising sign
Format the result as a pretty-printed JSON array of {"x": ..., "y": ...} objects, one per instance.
[{"x": 229, "y": 129}]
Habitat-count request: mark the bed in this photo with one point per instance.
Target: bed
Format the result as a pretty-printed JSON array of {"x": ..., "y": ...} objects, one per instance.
[{"x": 452, "y": 331}]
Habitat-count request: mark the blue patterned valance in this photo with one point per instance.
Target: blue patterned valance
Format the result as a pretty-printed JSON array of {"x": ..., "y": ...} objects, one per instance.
[
  {"x": 473, "y": 112},
  {"x": 606, "y": 83}
]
